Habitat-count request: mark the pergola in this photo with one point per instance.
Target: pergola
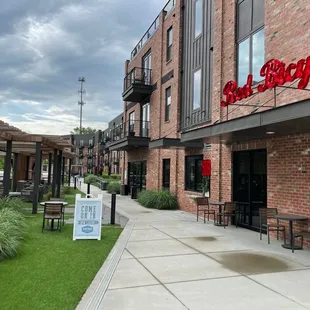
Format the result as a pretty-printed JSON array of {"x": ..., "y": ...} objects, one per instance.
[{"x": 17, "y": 142}]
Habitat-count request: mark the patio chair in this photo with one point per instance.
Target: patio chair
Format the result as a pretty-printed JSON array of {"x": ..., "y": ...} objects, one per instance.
[
  {"x": 52, "y": 212},
  {"x": 202, "y": 204},
  {"x": 264, "y": 215},
  {"x": 303, "y": 235},
  {"x": 229, "y": 211},
  {"x": 63, "y": 208}
]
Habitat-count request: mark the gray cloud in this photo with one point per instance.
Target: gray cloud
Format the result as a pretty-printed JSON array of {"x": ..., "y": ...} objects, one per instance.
[{"x": 46, "y": 45}]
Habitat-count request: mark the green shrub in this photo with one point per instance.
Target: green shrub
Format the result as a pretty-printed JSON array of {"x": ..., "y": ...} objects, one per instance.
[
  {"x": 49, "y": 196},
  {"x": 66, "y": 190},
  {"x": 14, "y": 203},
  {"x": 115, "y": 176},
  {"x": 114, "y": 187},
  {"x": 105, "y": 175},
  {"x": 12, "y": 229},
  {"x": 162, "y": 200},
  {"x": 91, "y": 179}
]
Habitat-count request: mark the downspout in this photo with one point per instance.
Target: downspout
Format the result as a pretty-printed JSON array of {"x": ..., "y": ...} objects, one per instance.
[
  {"x": 163, "y": 14},
  {"x": 221, "y": 110}
]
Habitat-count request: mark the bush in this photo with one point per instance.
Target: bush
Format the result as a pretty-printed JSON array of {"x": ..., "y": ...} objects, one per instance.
[
  {"x": 12, "y": 229},
  {"x": 115, "y": 176},
  {"x": 114, "y": 187},
  {"x": 90, "y": 179},
  {"x": 105, "y": 175},
  {"x": 49, "y": 196},
  {"x": 14, "y": 203},
  {"x": 161, "y": 200},
  {"x": 66, "y": 190}
]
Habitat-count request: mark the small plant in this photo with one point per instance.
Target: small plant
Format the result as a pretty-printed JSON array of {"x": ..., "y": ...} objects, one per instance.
[
  {"x": 15, "y": 203},
  {"x": 66, "y": 190},
  {"x": 49, "y": 196},
  {"x": 114, "y": 187},
  {"x": 162, "y": 200},
  {"x": 115, "y": 176},
  {"x": 105, "y": 175},
  {"x": 90, "y": 179},
  {"x": 12, "y": 229}
]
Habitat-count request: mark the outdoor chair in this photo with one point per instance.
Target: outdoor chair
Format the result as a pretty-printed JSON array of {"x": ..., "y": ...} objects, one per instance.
[
  {"x": 264, "y": 215},
  {"x": 202, "y": 204},
  {"x": 63, "y": 208},
  {"x": 52, "y": 212},
  {"x": 229, "y": 211},
  {"x": 302, "y": 235}
]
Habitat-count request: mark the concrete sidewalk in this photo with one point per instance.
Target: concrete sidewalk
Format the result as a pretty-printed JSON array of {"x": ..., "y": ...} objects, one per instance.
[{"x": 172, "y": 262}]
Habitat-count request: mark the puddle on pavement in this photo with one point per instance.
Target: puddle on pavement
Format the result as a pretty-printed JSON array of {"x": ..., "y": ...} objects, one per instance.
[
  {"x": 250, "y": 263},
  {"x": 205, "y": 239}
]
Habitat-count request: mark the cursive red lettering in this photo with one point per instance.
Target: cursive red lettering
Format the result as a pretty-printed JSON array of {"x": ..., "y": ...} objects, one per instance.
[
  {"x": 304, "y": 81},
  {"x": 289, "y": 77},
  {"x": 229, "y": 92},
  {"x": 299, "y": 69}
]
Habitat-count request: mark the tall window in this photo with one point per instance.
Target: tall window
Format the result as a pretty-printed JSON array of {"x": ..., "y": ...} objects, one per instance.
[
  {"x": 169, "y": 43},
  {"x": 147, "y": 65},
  {"x": 166, "y": 174},
  {"x": 250, "y": 39},
  {"x": 168, "y": 104},
  {"x": 197, "y": 90},
  {"x": 145, "y": 120},
  {"x": 198, "y": 18},
  {"x": 131, "y": 122},
  {"x": 193, "y": 171}
]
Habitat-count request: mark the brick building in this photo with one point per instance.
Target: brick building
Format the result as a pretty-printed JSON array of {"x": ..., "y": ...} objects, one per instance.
[{"x": 179, "y": 108}]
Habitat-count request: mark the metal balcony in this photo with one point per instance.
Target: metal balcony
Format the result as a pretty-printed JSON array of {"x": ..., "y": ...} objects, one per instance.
[
  {"x": 137, "y": 85},
  {"x": 130, "y": 135}
]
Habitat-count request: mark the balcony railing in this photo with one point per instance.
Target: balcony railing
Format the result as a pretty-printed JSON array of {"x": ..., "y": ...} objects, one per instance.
[
  {"x": 169, "y": 6},
  {"x": 149, "y": 33},
  {"x": 131, "y": 128},
  {"x": 137, "y": 76}
]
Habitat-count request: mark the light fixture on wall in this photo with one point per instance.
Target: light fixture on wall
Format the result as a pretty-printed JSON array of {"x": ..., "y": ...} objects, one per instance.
[{"x": 270, "y": 132}]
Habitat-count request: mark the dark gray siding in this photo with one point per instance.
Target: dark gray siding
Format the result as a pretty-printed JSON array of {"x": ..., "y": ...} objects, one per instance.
[{"x": 197, "y": 53}]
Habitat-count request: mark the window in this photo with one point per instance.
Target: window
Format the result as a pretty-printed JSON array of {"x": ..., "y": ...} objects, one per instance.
[
  {"x": 198, "y": 17},
  {"x": 169, "y": 43},
  {"x": 168, "y": 104},
  {"x": 145, "y": 120},
  {"x": 166, "y": 174},
  {"x": 131, "y": 122},
  {"x": 147, "y": 65},
  {"x": 197, "y": 90},
  {"x": 250, "y": 39},
  {"x": 193, "y": 170}
]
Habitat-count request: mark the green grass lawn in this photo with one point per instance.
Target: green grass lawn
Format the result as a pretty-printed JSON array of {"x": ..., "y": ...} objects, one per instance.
[
  {"x": 52, "y": 271},
  {"x": 70, "y": 198}
]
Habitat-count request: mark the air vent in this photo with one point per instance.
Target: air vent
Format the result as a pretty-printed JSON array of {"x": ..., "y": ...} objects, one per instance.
[{"x": 207, "y": 147}]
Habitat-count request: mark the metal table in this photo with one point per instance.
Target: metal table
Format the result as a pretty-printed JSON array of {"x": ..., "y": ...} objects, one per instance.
[
  {"x": 220, "y": 204},
  {"x": 291, "y": 218},
  {"x": 55, "y": 203}
]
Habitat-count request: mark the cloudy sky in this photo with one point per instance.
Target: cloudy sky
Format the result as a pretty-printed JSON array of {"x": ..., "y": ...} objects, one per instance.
[{"x": 46, "y": 45}]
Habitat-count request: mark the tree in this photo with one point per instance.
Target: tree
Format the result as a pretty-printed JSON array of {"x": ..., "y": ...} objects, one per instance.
[{"x": 85, "y": 130}]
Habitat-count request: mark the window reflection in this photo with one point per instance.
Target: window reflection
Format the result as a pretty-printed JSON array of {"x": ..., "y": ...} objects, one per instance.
[
  {"x": 198, "y": 18},
  {"x": 258, "y": 54},
  {"x": 197, "y": 90},
  {"x": 243, "y": 61}
]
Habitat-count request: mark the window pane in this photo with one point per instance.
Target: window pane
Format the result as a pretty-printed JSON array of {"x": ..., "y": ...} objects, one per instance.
[
  {"x": 258, "y": 13},
  {"x": 258, "y": 54},
  {"x": 197, "y": 90},
  {"x": 168, "y": 103},
  {"x": 243, "y": 61},
  {"x": 198, "y": 176},
  {"x": 244, "y": 18},
  {"x": 198, "y": 18},
  {"x": 170, "y": 32}
]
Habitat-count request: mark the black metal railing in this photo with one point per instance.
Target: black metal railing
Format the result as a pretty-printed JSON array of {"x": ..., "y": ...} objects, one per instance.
[
  {"x": 138, "y": 76},
  {"x": 169, "y": 6},
  {"x": 149, "y": 33},
  {"x": 131, "y": 128}
]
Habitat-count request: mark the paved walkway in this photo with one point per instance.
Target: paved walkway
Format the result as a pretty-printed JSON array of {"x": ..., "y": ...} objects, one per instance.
[{"x": 172, "y": 262}]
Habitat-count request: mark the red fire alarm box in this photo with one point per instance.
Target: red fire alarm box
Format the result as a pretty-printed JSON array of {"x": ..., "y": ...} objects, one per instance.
[{"x": 206, "y": 167}]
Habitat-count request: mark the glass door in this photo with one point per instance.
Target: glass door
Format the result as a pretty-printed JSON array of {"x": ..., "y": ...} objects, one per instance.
[
  {"x": 250, "y": 185},
  {"x": 145, "y": 119},
  {"x": 166, "y": 174},
  {"x": 137, "y": 175},
  {"x": 147, "y": 66},
  {"x": 132, "y": 124}
]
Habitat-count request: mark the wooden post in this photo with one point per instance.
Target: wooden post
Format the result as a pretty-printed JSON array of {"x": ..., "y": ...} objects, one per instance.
[
  {"x": 15, "y": 172},
  {"x": 7, "y": 169},
  {"x": 58, "y": 180},
  {"x": 37, "y": 179},
  {"x": 49, "y": 168},
  {"x": 55, "y": 160},
  {"x": 63, "y": 171},
  {"x": 69, "y": 171},
  {"x": 27, "y": 168}
]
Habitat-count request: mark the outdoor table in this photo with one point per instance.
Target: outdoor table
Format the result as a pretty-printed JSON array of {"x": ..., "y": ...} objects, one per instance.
[
  {"x": 55, "y": 203},
  {"x": 291, "y": 218},
  {"x": 220, "y": 205},
  {"x": 15, "y": 194}
]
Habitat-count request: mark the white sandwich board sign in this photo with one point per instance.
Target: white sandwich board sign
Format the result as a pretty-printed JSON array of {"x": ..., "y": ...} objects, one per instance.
[{"x": 87, "y": 217}]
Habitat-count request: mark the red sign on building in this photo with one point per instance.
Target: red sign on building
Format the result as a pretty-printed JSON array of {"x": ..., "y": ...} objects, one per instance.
[
  {"x": 276, "y": 73},
  {"x": 206, "y": 167}
]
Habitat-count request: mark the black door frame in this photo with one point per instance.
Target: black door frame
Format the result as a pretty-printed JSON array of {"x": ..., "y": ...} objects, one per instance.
[
  {"x": 250, "y": 189},
  {"x": 141, "y": 175}
]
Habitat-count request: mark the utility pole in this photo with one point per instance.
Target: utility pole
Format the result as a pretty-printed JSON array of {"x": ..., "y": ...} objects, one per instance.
[{"x": 81, "y": 102}]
